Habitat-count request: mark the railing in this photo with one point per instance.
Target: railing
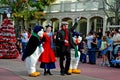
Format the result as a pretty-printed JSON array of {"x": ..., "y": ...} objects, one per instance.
[
  {"x": 112, "y": 27},
  {"x": 74, "y": 6}
]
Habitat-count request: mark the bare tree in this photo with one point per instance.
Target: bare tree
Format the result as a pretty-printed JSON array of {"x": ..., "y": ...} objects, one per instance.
[{"x": 112, "y": 7}]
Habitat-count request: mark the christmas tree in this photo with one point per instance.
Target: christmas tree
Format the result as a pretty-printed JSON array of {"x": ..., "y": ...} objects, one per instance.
[{"x": 8, "y": 49}]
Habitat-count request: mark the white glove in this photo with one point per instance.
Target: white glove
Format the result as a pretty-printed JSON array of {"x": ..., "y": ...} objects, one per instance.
[
  {"x": 77, "y": 19},
  {"x": 41, "y": 49},
  {"x": 66, "y": 41}
]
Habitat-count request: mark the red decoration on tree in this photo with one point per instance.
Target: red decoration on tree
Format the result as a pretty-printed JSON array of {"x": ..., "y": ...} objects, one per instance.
[{"x": 8, "y": 49}]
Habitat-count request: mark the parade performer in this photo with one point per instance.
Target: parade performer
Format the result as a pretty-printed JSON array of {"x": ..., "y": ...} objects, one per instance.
[
  {"x": 48, "y": 58},
  {"x": 75, "y": 54},
  {"x": 65, "y": 43},
  {"x": 33, "y": 51}
]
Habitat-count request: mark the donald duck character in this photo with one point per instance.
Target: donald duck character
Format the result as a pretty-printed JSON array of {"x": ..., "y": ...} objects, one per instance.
[
  {"x": 33, "y": 51},
  {"x": 75, "y": 54}
]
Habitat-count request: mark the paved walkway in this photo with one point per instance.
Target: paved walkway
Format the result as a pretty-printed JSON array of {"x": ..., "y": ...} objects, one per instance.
[{"x": 14, "y": 69}]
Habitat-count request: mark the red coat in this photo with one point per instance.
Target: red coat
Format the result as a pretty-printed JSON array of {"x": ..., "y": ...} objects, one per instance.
[{"x": 48, "y": 55}]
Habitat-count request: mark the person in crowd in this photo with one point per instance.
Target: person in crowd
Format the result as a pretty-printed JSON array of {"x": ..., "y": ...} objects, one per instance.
[
  {"x": 116, "y": 39},
  {"x": 110, "y": 47},
  {"x": 115, "y": 62},
  {"x": 89, "y": 39},
  {"x": 48, "y": 58},
  {"x": 19, "y": 45},
  {"x": 56, "y": 48},
  {"x": 104, "y": 48},
  {"x": 118, "y": 57},
  {"x": 65, "y": 42},
  {"x": 83, "y": 51},
  {"x": 100, "y": 33},
  {"x": 99, "y": 39},
  {"x": 29, "y": 33},
  {"x": 109, "y": 36},
  {"x": 92, "y": 54},
  {"x": 25, "y": 39}
]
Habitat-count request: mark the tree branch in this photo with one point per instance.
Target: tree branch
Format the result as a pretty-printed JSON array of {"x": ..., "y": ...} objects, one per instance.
[
  {"x": 112, "y": 7},
  {"x": 104, "y": 9}
]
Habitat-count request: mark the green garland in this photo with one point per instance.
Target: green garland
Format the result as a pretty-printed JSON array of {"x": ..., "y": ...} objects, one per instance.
[
  {"x": 76, "y": 52},
  {"x": 34, "y": 34}
]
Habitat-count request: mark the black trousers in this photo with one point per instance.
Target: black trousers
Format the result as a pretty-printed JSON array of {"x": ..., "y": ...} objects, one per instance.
[{"x": 65, "y": 56}]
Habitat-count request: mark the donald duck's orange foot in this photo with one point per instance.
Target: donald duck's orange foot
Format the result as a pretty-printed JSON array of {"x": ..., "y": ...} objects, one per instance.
[
  {"x": 76, "y": 71},
  {"x": 70, "y": 71},
  {"x": 34, "y": 74}
]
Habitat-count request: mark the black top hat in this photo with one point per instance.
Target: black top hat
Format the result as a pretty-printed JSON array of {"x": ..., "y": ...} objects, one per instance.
[{"x": 48, "y": 25}]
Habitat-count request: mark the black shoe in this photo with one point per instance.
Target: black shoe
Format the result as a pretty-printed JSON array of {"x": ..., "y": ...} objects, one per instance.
[
  {"x": 62, "y": 73},
  {"x": 45, "y": 73},
  {"x": 93, "y": 63},
  {"x": 49, "y": 73},
  {"x": 68, "y": 73}
]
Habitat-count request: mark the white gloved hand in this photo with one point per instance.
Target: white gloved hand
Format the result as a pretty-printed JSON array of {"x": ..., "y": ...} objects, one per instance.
[
  {"x": 66, "y": 41},
  {"x": 77, "y": 19},
  {"x": 41, "y": 48}
]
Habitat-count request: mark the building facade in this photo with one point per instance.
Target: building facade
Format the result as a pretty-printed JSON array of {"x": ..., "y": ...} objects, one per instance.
[{"x": 90, "y": 11}]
